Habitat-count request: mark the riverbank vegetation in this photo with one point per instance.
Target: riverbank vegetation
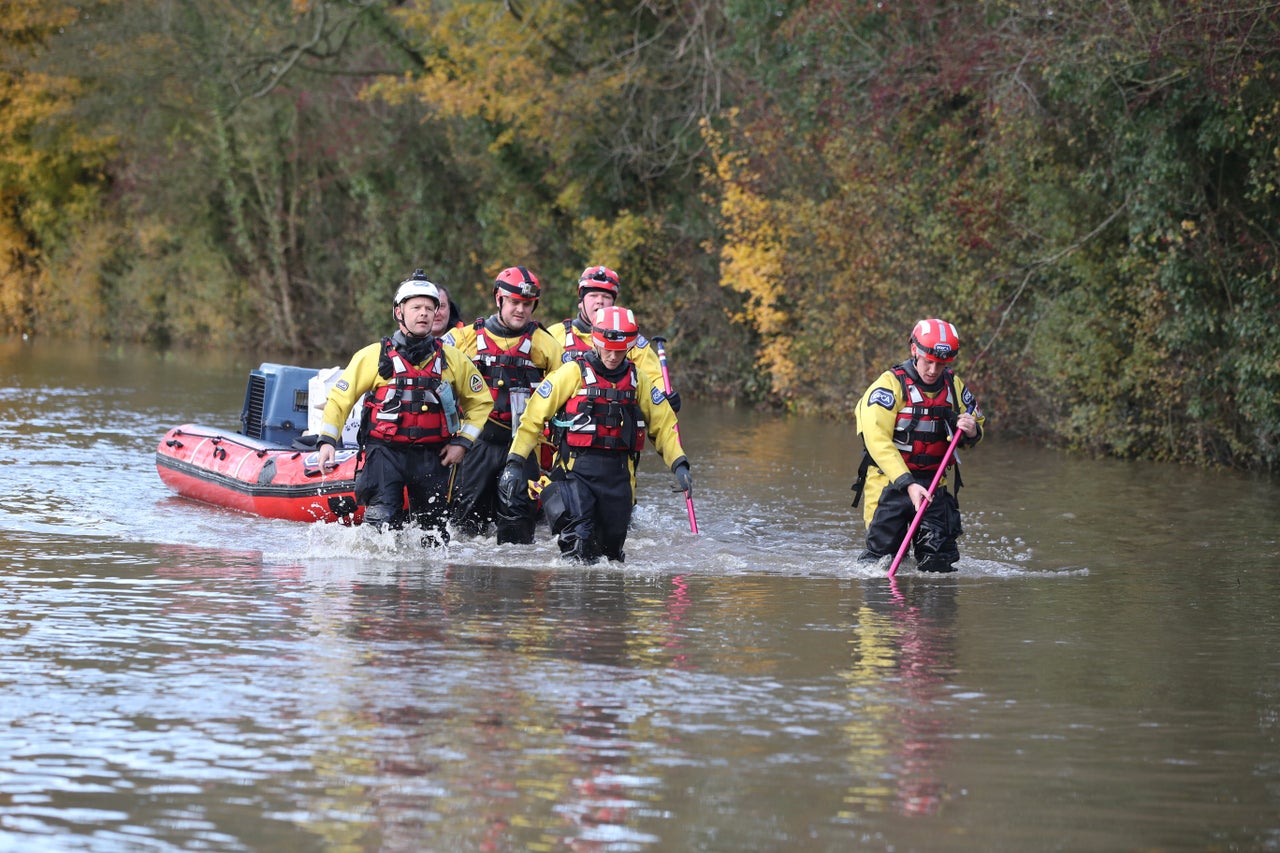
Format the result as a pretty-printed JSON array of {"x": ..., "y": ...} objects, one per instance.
[{"x": 1088, "y": 189}]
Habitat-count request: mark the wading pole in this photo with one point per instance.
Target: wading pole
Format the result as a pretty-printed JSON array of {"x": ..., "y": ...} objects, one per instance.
[
  {"x": 924, "y": 504},
  {"x": 658, "y": 344}
]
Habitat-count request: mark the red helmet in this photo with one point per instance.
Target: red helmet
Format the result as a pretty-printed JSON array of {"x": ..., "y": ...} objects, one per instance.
[
  {"x": 615, "y": 328},
  {"x": 936, "y": 340},
  {"x": 602, "y": 279},
  {"x": 517, "y": 283}
]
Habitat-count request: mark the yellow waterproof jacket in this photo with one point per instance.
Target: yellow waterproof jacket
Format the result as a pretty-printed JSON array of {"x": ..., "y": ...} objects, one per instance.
[
  {"x": 877, "y": 416},
  {"x": 561, "y": 386},
  {"x": 361, "y": 375},
  {"x": 546, "y": 353}
]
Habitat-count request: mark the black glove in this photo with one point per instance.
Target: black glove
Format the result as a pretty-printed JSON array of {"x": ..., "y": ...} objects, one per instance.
[
  {"x": 683, "y": 477},
  {"x": 951, "y": 416},
  {"x": 511, "y": 482},
  {"x": 674, "y": 399}
]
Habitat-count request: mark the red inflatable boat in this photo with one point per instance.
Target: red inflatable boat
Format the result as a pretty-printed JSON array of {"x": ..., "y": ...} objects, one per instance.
[
  {"x": 265, "y": 469},
  {"x": 231, "y": 470}
]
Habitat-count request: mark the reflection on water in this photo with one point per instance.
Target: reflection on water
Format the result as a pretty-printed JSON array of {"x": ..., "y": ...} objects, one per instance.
[
  {"x": 903, "y": 654},
  {"x": 179, "y": 677}
]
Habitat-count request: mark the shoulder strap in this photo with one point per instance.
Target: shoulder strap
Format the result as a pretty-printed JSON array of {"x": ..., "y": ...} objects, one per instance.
[{"x": 861, "y": 483}]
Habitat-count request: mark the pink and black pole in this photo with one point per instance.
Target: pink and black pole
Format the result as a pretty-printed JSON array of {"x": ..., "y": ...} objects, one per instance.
[
  {"x": 659, "y": 345},
  {"x": 924, "y": 504}
]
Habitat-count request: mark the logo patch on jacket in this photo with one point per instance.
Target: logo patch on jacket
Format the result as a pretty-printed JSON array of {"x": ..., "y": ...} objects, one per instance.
[
  {"x": 342, "y": 385},
  {"x": 544, "y": 388},
  {"x": 566, "y": 358},
  {"x": 477, "y": 382},
  {"x": 881, "y": 397},
  {"x": 970, "y": 402},
  {"x": 657, "y": 396}
]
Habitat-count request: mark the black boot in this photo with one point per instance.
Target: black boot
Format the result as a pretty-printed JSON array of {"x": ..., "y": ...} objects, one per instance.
[
  {"x": 935, "y": 564},
  {"x": 380, "y": 516},
  {"x": 578, "y": 551}
]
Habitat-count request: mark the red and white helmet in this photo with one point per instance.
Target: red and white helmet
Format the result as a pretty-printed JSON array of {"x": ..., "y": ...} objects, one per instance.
[
  {"x": 602, "y": 279},
  {"x": 615, "y": 329},
  {"x": 517, "y": 283},
  {"x": 936, "y": 340}
]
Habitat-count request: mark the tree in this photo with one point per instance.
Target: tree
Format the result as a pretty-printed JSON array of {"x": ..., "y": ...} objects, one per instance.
[
  {"x": 581, "y": 124},
  {"x": 52, "y": 170},
  {"x": 1083, "y": 188}
]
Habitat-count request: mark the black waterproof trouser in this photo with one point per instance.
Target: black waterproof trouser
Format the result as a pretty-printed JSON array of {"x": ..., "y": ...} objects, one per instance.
[
  {"x": 476, "y": 504},
  {"x": 934, "y": 543},
  {"x": 589, "y": 508},
  {"x": 390, "y": 472}
]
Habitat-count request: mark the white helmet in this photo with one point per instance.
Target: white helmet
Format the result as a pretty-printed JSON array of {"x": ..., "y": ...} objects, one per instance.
[{"x": 416, "y": 285}]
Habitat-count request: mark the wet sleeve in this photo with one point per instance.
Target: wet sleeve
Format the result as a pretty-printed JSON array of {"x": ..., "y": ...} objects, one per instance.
[
  {"x": 661, "y": 420},
  {"x": 359, "y": 376}
]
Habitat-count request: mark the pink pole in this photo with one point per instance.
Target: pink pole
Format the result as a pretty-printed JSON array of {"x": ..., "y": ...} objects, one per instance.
[
  {"x": 924, "y": 504},
  {"x": 666, "y": 389}
]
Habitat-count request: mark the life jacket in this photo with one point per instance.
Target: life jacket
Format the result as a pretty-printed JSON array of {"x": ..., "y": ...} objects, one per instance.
[
  {"x": 603, "y": 415},
  {"x": 505, "y": 369},
  {"x": 926, "y": 420},
  {"x": 412, "y": 408},
  {"x": 574, "y": 346}
]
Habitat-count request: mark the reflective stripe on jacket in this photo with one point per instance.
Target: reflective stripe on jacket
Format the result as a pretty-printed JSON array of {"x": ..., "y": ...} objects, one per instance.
[
  {"x": 604, "y": 415},
  {"x": 409, "y": 409}
]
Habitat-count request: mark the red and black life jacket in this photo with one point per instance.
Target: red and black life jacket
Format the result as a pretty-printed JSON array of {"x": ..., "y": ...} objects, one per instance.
[
  {"x": 408, "y": 409},
  {"x": 924, "y": 425},
  {"x": 574, "y": 346},
  {"x": 603, "y": 415},
  {"x": 504, "y": 369}
]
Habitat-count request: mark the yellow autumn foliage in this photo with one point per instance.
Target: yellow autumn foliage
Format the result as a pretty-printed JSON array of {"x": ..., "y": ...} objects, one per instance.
[{"x": 44, "y": 156}]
